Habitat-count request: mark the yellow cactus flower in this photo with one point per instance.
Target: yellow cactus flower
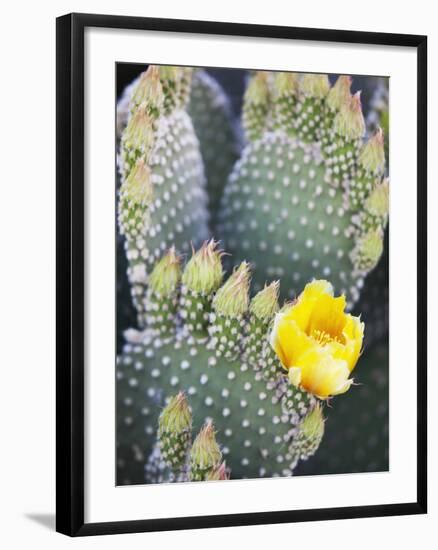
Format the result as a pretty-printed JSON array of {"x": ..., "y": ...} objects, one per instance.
[{"x": 317, "y": 342}]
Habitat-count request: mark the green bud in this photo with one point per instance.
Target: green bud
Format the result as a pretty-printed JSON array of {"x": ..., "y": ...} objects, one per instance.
[
  {"x": 312, "y": 425},
  {"x": 205, "y": 454},
  {"x": 232, "y": 299},
  {"x": 258, "y": 89},
  {"x": 168, "y": 73},
  {"x": 149, "y": 91},
  {"x": 368, "y": 249},
  {"x": 308, "y": 439},
  {"x": 340, "y": 94},
  {"x": 137, "y": 188},
  {"x": 262, "y": 309},
  {"x": 185, "y": 85},
  {"x": 256, "y": 106},
  {"x": 166, "y": 274},
  {"x": 349, "y": 122},
  {"x": 174, "y": 430},
  {"x": 169, "y": 77},
  {"x": 139, "y": 133},
  {"x": 377, "y": 204},
  {"x": 285, "y": 88},
  {"x": 176, "y": 416},
  {"x": 135, "y": 197},
  {"x": 264, "y": 305},
  {"x": 203, "y": 273},
  {"x": 285, "y": 84},
  {"x": 315, "y": 85},
  {"x": 372, "y": 155}
]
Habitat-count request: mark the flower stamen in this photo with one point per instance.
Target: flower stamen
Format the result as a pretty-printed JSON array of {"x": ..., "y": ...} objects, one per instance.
[{"x": 322, "y": 338}]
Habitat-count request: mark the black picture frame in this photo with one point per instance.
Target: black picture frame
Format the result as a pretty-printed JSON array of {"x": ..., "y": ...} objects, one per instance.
[{"x": 70, "y": 273}]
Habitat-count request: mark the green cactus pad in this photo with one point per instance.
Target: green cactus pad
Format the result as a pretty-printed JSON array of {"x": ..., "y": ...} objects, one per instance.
[
  {"x": 252, "y": 418},
  {"x": 279, "y": 212},
  {"x": 177, "y": 214}
]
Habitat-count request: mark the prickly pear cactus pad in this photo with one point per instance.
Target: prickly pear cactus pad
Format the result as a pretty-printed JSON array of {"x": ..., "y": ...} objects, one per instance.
[
  {"x": 250, "y": 254},
  {"x": 298, "y": 200}
]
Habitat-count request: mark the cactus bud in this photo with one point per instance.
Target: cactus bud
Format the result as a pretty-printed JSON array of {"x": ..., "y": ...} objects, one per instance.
[
  {"x": 264, "y": 305},
  {"x": 310, "y": 435},
  {"x": 377, "y": 204},
  {"x": 372, "y": 155},
  {"x": 184, "y": 85},
  {"x": 232, "y": 299},
  {"x": 312, "y": 425},
  {"x": 371, "y": 164},
  {"x": 218, "y": 474},
  {"x": 166, "y": 274},
  {"x": 258, "y": 89},
  {"x": 285, "y": 94},
  {"x": 368, "y": 249},
  {"x": 315, "y": 85},
  {"x": 310, "y": 107},
  {"x": 262, "y": 309},
  {"x": 229, "y": 305},
  {"x": 148, "y": 91},
  {"x": 205, "y": 455},
  {"x": 161, "y": 300},
  {"x": 340, "y": 93},
  {"x": 139, "y": 133},
  {"x": 135, "y": 197},
  {"x": 256, "y": 105},
  {"x": 137, "y": 187},
  {"x": 174, "y": 431},
  {"x": 285, "y": 84},
  {"x": 202, "y": 276},
  {"x": 349, "y": 122},
  {"x": 168, "y": 73},
  {"x": 203, "y": 273},
  {"x": 169, "y": 77}
]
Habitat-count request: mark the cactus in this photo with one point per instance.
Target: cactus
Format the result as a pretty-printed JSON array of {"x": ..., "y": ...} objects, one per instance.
[
  {"x": 159, "y": 151},
  {"x": 175, "y": 457},
  {"x": 204, "y": 354},
  {"x": 298, "y": 198},
  {"x": 210, "y": 114},
  {"x": 306, "y": 199}
]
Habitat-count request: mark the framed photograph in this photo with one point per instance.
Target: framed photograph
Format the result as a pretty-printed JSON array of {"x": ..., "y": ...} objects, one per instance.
[{"x": 241, "y": 274}]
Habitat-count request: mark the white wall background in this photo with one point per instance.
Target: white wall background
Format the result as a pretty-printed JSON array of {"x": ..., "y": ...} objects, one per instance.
[{"x": 27, "y": 273}]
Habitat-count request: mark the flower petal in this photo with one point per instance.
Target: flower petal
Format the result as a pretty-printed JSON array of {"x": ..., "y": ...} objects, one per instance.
[
  {"x": 302, "y": 310},
  {"x": 274, "y": 340},
  {"x": 321, "y": 373},
  {"x": 295, "y": 376},
  {"x": 343, "y": 387},
  {"x": 293, "y": 341},
  {"x": 353, "y": 335},
  {"x": 318, "y": 287},
  {"x": 328, "y": 316}
]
